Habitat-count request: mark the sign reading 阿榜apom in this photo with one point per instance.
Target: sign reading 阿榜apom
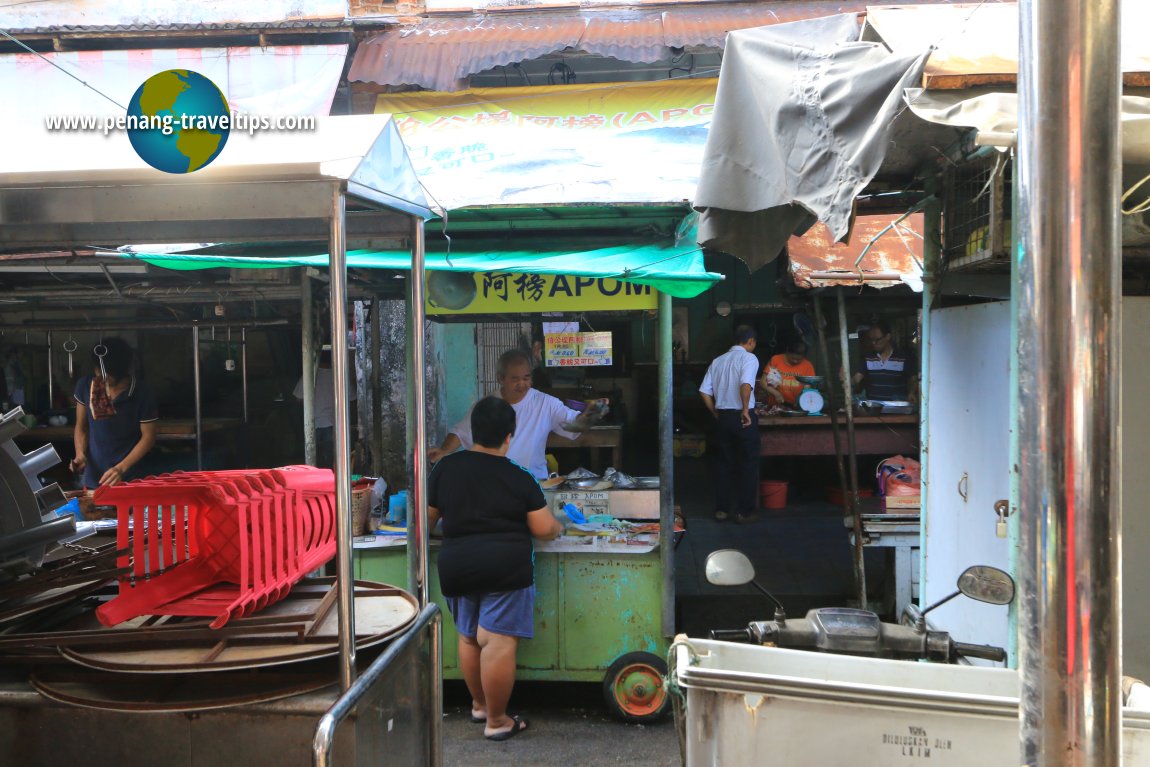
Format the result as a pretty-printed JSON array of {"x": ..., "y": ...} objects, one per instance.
[{"x": 504, "y": 293}]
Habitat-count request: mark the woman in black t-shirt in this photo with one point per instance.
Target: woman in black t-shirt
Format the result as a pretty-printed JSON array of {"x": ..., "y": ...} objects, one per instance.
[{"x": 491, "y": 508}]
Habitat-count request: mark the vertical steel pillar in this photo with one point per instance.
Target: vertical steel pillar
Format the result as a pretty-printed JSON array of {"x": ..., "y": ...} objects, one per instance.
[
  {"x": 307, "y": 347},
  {"x": 417, "y": 530},
  {"x": 375, "y": 376},
  {"x": 853, "y": 470},
  {"x": 1068, "y": 341},
  {"x": 417, "y": 523},
  {"x": 345, "y": 580},
  {"x": 198, "y": 396},
  {"x": 244, "y": 372},
  {"x": 666, "y": 465},
  {"x": 51, "y": 377},
  {"x": 931, "y": 276}
]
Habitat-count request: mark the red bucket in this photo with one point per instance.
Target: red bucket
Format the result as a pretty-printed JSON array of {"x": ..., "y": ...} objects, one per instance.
[{"x": 774, "y": 494}]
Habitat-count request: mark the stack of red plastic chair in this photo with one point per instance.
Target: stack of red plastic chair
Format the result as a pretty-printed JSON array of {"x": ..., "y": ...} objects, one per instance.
[{"x": 218, "y": 543}]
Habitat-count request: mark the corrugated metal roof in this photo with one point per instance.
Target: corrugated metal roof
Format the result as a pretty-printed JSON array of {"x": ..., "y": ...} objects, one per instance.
[
  {"x": 78, "y": 29},
  {"x": 895, "y": 256},
  {"x": 55, "y": 16},
  {"x": 439, "y": 53}
]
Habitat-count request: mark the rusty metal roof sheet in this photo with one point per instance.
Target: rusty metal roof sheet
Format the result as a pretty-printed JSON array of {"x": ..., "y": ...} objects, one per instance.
[
  {"x": 439, "y": 54},
  {"x": 638, "y": 39},
  {"x": 228, "y": 26},
  {"x": 894, "y": 255}
]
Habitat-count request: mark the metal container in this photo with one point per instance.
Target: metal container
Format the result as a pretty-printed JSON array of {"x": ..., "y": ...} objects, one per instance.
[{"x": 751, "y": 705}]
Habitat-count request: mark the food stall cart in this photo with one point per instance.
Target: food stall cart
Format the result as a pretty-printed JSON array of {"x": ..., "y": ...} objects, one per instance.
[
  {"x": 605, "y": 602},
  {"x": 347, "y": 180}
]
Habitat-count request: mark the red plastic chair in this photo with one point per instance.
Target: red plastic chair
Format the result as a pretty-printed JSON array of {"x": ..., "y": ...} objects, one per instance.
[{"x": 220, "y": 544}]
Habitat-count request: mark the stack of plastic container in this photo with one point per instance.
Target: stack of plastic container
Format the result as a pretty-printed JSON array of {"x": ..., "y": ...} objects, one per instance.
[{"x": 221, "y": 544}]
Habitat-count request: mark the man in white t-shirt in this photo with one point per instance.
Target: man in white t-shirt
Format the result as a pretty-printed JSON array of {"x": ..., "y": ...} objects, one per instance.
[
  {"x": 324, "y": 406},
  {"x": 536, "y": 415}
]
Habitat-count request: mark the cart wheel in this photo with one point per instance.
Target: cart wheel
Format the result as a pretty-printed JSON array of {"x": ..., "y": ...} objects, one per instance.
[{"x": 635, "y": 687}]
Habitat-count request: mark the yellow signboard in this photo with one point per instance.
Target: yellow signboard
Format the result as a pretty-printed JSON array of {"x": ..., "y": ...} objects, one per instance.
[
  {"x": 450, "y": 293},
  {"x": 561, "y": 107},
  {"x": 577, "y": 349}
]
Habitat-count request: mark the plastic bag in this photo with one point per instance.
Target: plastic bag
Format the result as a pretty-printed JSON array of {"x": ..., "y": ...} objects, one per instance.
[
  {"x": 618, "y": 478},
  {"x": 898, "y": 475}
]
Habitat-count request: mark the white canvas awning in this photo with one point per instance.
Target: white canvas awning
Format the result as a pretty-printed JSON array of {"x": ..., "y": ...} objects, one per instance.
[{"x": 83, "y": 189}]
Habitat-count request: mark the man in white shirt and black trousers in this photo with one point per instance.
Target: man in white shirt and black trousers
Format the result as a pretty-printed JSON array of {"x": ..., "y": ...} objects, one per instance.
[{"x": 728, "y": 391}]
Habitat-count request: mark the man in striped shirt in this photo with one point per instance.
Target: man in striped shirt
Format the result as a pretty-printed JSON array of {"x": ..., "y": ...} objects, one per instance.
[
  {"x": 728, "y": 392},
  {"x": 889, "y": 374}
]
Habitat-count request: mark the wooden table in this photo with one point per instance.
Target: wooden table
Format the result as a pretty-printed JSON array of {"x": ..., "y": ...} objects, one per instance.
[
  {"x": 811, "y": 435},
  {"x": 598, "y": 437},
  {"x": 167, "y": 430}
]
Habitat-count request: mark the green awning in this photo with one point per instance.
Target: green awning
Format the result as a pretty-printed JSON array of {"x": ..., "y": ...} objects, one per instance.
[{"x": 676, "y": 270}]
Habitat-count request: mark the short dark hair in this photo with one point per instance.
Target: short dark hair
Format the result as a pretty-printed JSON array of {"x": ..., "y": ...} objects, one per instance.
[
  {"x": 118, "y": 357},
  {"x": 492, "y": 420},
  {"x": 513, "y": 356},
  {"x": 882, "y": 325},
  {"x": 744, "y": 333},
  {"x": 797, "y": 347}
]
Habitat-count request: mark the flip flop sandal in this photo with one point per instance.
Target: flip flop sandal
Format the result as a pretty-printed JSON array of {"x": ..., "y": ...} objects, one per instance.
[{"x": 518, "y": 725}]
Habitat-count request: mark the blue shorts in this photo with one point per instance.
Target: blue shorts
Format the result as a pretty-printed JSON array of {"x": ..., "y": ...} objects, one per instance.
[{"x": 510, "y": 613}]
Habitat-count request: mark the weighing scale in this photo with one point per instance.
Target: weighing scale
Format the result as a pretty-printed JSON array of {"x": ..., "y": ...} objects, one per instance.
[{"x": 810, "y": 398}]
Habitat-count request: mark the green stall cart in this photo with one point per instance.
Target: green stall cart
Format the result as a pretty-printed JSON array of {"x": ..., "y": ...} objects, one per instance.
[{"x": 599, "y": 610}]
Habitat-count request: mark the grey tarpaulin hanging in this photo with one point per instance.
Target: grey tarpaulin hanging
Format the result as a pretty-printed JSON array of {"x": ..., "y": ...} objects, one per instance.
[{"x": 802, "y": 123}]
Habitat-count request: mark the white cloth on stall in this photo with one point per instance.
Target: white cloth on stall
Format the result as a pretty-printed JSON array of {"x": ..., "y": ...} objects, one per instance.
[
  {"x": 726, "y": 376},
  {"x": 536, "y": 416}
]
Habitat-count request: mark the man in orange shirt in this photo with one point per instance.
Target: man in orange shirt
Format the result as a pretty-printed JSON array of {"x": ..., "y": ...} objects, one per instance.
[{"x": 792, "y": 362}]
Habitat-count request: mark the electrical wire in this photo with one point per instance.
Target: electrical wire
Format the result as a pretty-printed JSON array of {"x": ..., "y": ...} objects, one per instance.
[{"x": 65, "y": 71}]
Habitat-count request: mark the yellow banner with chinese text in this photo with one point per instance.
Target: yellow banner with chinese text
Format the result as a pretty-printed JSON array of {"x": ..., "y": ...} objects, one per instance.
[
  {"x": 453, "y": 293},
  {"x": 571, "y": 107}
]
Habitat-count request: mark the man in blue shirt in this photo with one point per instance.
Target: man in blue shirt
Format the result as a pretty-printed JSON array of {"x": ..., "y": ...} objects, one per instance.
[
  {"x": 116, "y": 417},
  {"x": 728, "y": 392}
]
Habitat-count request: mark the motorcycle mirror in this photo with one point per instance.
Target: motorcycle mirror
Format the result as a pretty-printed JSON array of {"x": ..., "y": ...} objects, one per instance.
[
  {"x": 729, "y": 567},
  {"x": 987, "y": 584}
]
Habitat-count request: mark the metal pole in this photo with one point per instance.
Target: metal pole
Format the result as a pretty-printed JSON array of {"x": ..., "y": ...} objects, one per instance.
[
  {"x": 374, "y": 376},
  {"x": 848, "y": 405},
  {"x": 1069, "y": 260},
  {"x": 339, "y": 366},
  {"x": 244, "y": 371},
  {"x": 931, "y": 287},
  {"x": 435, "y": 715},
  {"x": 198, "y": 398},
  {"x": 417, "y": 527},
  {"x": 666, "y": 466},
  {"x": 51, "y": 382},
  {"x": 418, "y": 532},
  {"x": 825, "y": 360},
  {"x": 307, "y": 345}
]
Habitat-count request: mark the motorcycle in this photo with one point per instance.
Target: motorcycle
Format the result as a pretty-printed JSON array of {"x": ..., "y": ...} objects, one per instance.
[
  {"x": 850, "y": 631},
  {"x": 835, "y": 688}
]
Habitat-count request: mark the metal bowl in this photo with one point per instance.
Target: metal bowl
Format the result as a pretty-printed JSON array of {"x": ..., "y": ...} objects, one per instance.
[
  {"x": 583, "y": 483},
  {"x": 811, "y": 380}
]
